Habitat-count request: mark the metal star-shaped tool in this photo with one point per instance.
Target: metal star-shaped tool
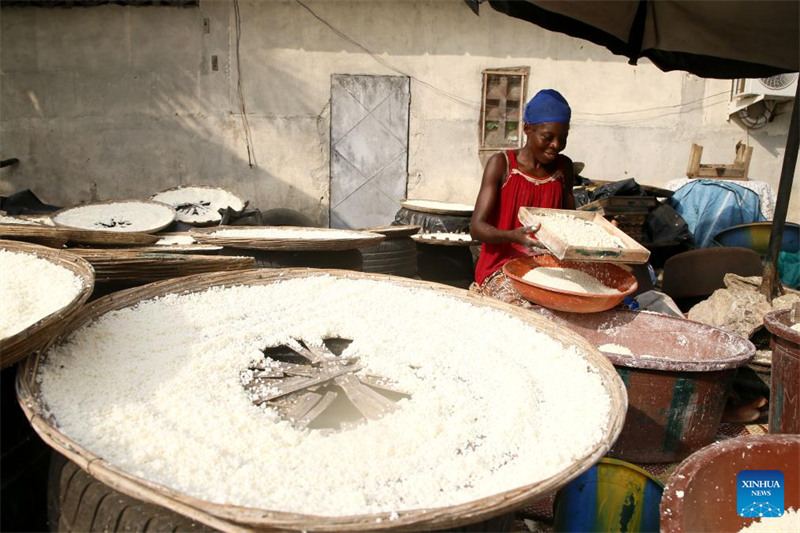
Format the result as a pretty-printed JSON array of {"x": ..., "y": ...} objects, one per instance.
[{"x": 313, "y": 386}]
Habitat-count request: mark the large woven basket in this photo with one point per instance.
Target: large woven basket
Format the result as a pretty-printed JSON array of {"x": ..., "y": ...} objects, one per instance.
[
  {"x": 154, "y": 264},
  {"x": 27, "y": 341},
  {"x": 237, "y": 518},
  {"x": 57, "y": 236},
  {"x": 60, "y": 217},
  {"x": 361, "y": 239},
  {"x": 212, "y": 215}
]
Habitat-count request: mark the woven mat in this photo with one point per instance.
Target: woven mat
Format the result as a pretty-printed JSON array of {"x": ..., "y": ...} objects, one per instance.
[{"x": 540, "y": 513}]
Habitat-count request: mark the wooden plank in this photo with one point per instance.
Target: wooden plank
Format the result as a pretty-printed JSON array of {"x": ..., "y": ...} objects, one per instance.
[
  {"x": 380, "y": 383},
  {"x": 695, "y": 153},
  {"x": 317, "y": 410},
  {"x": 291, "y": 385},
  {"x": 301, "y": 349},
  {"x": 368, "y": 402},
  {"x": 301, "y": 403},
  {"x": 320, "y": 350}
]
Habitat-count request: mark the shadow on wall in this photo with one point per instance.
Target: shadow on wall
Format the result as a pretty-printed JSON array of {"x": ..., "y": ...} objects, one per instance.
[{"x": 130, "y": 127}]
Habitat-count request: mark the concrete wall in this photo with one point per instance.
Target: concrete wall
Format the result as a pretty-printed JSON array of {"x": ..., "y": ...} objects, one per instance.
[{"x": 118, "y": 102}]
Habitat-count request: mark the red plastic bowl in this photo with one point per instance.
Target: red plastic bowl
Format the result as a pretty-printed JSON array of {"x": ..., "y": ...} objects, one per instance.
[{"x": 609, "y": 274}]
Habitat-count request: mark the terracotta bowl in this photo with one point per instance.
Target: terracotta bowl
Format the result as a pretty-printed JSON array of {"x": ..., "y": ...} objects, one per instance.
[
  {"x": 702, "y": 496},
  {"x": 575, "y": 302}
]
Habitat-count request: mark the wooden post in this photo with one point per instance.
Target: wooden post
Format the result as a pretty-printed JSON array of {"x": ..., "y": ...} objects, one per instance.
[
  {"x": 770, "y": 284},
  {"x": 694, "y": 160}
]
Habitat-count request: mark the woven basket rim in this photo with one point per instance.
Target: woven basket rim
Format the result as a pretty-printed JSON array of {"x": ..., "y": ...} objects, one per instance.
[
  {"x": 234, "y": 518},
  {"x": 33, "y": 337},
  {"x": 78, "y": 236},
  {"x": 54, "y": 215},
  {"x": 203, "y": 235}
]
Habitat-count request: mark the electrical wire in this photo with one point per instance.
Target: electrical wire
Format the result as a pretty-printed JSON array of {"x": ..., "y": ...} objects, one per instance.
[
  {"x": 376, "y": 57},
  {"x": 652, "y": 108},
  {"x": 477, "y": 105},
  {"x": 248, "y": 135}
]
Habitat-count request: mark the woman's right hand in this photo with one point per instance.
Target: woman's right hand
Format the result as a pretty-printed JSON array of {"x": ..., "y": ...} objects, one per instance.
[{"x": 522, "y": 236}]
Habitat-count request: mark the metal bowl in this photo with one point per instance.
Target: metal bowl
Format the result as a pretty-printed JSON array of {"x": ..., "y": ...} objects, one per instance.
[
  {"x": 756, "y": 236},
  {"x": 609, "y": 274}
]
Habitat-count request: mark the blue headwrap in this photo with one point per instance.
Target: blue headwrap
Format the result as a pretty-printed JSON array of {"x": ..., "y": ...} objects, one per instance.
[{"x": 547, "y": 106}]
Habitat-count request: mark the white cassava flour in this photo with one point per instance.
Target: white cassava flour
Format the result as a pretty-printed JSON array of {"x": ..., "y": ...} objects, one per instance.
[
  {"x": 123, "y": 216},
  {"x": 456, "y": 237},
  {"x": 432, "y": 204},
  {"x": 199, "y": 205},
  {"x": 796, "y": 327},
  {"x": 155, "y": 389},
  {"x": 578, "y": 231},
  {"x": 168, "y": 240},
  {"x": 286, "y": 234},
  {"x": 31, "y": 289},
  {"x": 567, "y": 279},
  {"x": 789, "y": 522},
  {"x": 615, "y": 348}
]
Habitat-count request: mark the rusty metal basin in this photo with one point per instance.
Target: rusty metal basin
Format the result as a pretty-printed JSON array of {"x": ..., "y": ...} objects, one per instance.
[
  {"x": 784, "y": 407},
  {"x": 701, "y": 495},
  {"x": 678, "y": 376}
]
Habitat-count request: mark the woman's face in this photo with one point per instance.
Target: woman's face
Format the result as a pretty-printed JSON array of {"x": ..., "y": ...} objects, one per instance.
[{"x": 546, "y": 140}]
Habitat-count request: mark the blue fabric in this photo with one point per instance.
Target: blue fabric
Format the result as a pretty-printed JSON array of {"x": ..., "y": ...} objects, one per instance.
[
  {"x": 547, "y": 106},
  {"x": 710, "y": 206},
  {"x": 789, "y": 269}
]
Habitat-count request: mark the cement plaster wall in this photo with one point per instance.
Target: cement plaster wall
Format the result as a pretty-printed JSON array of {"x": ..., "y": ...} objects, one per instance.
[{"x": 111, "y": 102}]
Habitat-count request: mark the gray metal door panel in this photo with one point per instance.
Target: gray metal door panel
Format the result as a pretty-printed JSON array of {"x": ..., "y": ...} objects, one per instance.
[{"x": 369, "y": 149}]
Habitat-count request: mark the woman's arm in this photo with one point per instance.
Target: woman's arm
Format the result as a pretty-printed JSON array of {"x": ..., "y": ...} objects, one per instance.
[{"x": 489, "y": 200}]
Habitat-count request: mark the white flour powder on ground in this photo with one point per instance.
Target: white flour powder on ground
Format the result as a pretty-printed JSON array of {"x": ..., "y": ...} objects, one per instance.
[
  {"x": 31, "y": 289},
  {"x": 567, "y": 279},
  {"x": 789, "y": 522},
  {"x": 287, "y": 234},
  {"x": 117, "y": 216},
  {"x": 615, "y": 348},
  {"x": 578, "y": 231},
  {"x": 155, "y": 390}
]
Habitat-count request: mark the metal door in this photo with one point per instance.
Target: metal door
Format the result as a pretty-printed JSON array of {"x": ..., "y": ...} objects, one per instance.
[{"x": 369, "y": 149}]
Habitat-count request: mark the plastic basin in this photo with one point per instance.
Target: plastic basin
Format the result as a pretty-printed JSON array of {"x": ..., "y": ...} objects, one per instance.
[
  {"x": 701, "y": 494},
  {"x": 755, "y": 236},
  {"x": 607, "y": 273},
  {"x": 611, "y": 496},
  {"x": 678, "y": 376}
]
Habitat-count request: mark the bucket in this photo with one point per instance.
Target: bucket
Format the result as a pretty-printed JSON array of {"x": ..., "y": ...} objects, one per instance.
[
  {"x": 611, "y": 496},
  {"x": 784, "y": 401},
  {"x": 701, "y": 494},
  {"x": 678, "y": 376}
]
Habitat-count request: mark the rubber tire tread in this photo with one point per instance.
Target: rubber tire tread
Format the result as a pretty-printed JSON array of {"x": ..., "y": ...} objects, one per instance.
[
  {"x": 391, "y": 256},
  {"x": 79, "y": 503}
]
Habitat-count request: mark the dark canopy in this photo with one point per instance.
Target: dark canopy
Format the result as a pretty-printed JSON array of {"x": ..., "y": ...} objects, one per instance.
[{"x": 712, "y": 39}]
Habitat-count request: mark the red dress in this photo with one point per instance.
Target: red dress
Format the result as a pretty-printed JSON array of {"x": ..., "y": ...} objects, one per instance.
[{"x": 518, "y": 190}]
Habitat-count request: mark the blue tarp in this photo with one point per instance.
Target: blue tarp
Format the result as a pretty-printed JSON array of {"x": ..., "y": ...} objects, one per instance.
[{"x": 710, "y": 206}]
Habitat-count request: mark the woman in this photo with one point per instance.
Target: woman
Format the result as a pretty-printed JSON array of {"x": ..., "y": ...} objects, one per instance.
[{"x": 536, "y": 175}]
